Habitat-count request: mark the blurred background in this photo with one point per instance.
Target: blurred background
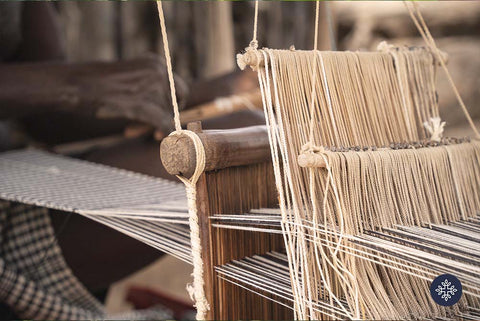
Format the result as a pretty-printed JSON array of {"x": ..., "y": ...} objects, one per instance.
[{"x": 204, "y": 38}]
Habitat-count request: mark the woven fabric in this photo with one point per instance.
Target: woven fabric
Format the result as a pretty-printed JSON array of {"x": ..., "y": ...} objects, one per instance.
[
  {"x": 53, "y": 181},
  {"x": 152, "y": 210},
  {"x": 35, "y": 281},
  {"x": 34, "y": 278}
]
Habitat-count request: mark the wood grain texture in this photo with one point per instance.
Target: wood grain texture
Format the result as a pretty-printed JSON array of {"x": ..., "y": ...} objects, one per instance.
[
  {"x": 223, "y": 148},
  {"x": 237, "y": 190}
]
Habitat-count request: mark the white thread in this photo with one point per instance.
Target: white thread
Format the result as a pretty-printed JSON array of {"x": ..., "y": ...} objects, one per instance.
[
  {"x": 435, "y": 127},
  {"x": 198, "y": 290},
  {"x": 430, "y": 41}
]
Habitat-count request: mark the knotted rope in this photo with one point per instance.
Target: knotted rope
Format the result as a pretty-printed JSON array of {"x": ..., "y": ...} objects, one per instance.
[
  {"x": 196, "y": 291},
  {"x": 422, "y": 27},
  {"x": 251, "y": 56}
]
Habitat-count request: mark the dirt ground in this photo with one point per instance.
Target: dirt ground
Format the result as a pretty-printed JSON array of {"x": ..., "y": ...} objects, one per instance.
[{"x": 168, "y": 275}]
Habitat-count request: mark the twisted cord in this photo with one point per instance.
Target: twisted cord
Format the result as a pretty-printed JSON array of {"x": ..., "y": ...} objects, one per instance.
[{"x": 197, "y": 290}]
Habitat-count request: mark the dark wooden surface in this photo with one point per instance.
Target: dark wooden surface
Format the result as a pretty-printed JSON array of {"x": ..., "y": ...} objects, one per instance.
[
  {"x": 203, "y": 213},
  {"x": 237, "y": 190}
]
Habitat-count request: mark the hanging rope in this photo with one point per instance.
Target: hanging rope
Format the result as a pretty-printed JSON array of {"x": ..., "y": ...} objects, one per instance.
[
  {"x": 335, "y": 263},
  {"x": 422, "y": 27},
  {"x": 168, "y": 59},
  {"x": 254, "y": 42},
  {"x": 196, "y": 291},
  {"x": 314, "y": 73},
  {"x": 251, "y": 56}
]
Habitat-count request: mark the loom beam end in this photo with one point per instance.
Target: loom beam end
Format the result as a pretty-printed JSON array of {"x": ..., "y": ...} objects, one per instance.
[
  {"x": 311, "y": 160},
  {"x": 223, "y": 148},
  {"x": 250, "y": 58}
]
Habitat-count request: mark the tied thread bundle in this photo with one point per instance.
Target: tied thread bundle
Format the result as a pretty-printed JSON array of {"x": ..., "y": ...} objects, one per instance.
[
  {"x": 196, "y": 291},
  {"x": 360, "y": 99}
]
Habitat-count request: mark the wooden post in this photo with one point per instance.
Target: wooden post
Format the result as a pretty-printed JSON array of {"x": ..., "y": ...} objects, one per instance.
[
  {"x": 252, "y": 59},
  {"x": 203, "y": 213}
]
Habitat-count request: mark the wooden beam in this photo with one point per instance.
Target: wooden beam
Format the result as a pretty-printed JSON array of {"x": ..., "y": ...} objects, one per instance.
[
  {"x": 223, "y": 148},
  {"x": 255, "y": 59}
]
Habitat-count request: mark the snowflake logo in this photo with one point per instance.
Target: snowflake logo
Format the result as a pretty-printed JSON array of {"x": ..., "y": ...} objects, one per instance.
[{"x": 446, "y": 290}]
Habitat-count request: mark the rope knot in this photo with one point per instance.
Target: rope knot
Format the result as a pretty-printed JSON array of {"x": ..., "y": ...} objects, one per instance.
[
  {"x": 311, "y": 148},
  {"x": 196, "y": 291},
  {"x": 435, "y": 127},
  {"x": 249, "y": 58},
  {"x": 311, "y": 156},
  {"x": 384, "y": 46}
]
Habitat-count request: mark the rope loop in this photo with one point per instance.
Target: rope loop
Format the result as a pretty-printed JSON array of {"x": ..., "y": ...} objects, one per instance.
[
  {"x": 197, "y": 289},
  {"x": 199, "y": 153}
]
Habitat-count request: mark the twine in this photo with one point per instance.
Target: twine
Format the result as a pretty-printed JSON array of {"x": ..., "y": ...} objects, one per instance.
[{"x": 196, "y": 290}]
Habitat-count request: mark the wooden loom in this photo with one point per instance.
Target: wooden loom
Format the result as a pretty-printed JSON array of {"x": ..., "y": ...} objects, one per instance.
[
  {"x": 243, "y": 234},
  {"x": 238, "y": 179},
  {"x": 306, "y": 115}
]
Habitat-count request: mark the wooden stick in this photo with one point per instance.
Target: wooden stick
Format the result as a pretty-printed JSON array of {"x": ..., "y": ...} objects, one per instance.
[
  {"x": 222, "y": 106},
  {"x": 84, "y": 146},
  {"x": 223, "y": 148}
]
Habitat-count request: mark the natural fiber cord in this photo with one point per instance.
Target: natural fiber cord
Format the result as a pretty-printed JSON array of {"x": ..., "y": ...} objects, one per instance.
[{"x": 197, "y": 291}]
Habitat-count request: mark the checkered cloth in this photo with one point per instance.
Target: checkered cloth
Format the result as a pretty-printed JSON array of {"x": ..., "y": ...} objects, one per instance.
[{"x": 35, "y": 281}]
